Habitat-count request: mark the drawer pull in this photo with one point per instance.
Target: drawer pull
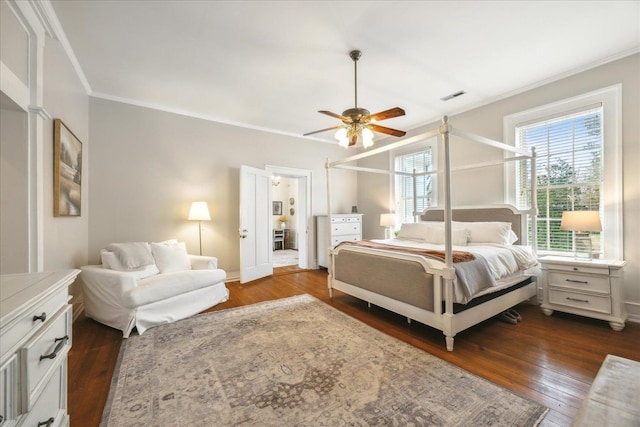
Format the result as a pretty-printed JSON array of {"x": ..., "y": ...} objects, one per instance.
[
  {"x": 47, "y": 423},
  {"x": 578, "y": 300},
  {"x": 61, "y": 342},
  {"x": 584, "y": 282},
  {"x": 42, "y": 317}
]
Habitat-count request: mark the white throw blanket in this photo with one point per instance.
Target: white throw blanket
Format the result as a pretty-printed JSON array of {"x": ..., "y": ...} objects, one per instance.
[{"x": 132, "y": 255}]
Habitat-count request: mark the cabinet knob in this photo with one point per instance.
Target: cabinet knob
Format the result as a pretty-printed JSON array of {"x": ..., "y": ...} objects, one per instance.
[{"x": 575, "y": 268}]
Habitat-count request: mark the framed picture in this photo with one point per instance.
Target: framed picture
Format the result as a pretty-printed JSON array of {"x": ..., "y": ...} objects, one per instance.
[
  {"x": 67, "y": 171},
  {"x": 277, "y": 208}
]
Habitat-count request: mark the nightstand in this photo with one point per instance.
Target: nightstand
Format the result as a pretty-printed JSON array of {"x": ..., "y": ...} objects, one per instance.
[{"x": 591, "y": 288}]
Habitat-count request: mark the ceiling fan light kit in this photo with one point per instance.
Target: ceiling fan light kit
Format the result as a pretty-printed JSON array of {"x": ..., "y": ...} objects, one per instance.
[{"x": 358, "y": 123}]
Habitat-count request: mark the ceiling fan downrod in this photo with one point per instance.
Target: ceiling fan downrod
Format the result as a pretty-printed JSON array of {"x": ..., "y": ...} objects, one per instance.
[{"x": 355, "y": 55}]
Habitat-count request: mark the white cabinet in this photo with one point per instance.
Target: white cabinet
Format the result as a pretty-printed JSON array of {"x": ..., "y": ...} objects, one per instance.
[
  {"x": 343, "y": 227},
  {"x": 588, "y": 288},
  {"x": 35, "y": 338}
]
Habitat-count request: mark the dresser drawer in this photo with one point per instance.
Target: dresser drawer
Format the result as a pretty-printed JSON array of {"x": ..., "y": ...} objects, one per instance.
[
  {"x": 345, "y": 228},
  {"x": 341, "y": 219},
  {"x": 25, "y": 325},
  {"x": 41, "y": 355},
  {"x": 9, "y": 397},
  {"x": 600, "y": 304},
  {"x": 51, "y": 403},
  {"x": 338, "y": 239},
  {"x": 591, "y": 283}
]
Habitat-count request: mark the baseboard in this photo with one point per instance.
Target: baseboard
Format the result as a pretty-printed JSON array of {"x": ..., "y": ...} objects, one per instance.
[
  {"x": 78, "y": 308},
  {"x": 633, "y": 310}
]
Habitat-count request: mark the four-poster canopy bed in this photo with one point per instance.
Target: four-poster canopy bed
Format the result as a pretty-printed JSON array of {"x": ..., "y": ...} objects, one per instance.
[{"x": 427, "y": 283}]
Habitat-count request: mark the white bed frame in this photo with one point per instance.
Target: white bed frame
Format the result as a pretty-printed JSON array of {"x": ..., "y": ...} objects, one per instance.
[{"x": 448, "y": 322}]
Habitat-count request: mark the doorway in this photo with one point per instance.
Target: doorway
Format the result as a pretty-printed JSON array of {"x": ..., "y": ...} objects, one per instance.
[{"x": 291, "y": 216}]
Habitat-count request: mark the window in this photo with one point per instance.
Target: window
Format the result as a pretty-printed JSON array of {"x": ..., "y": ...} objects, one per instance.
[
  {"x": 568, "y": 172},
  {"x": 578, "y": 167},
  {"x": 418, "y": 161}
]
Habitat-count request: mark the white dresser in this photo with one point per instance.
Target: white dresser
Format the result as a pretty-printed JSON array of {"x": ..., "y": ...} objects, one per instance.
[
  {"x": 591, "y": 288},
  {"x": 35, "y": 338},
  {"x": 343, "y": 227}
]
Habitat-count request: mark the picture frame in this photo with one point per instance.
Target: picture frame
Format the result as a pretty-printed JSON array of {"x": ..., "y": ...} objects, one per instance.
[
  {"x": 277, "y": 208},
  {"x": 67, "y": 171}
]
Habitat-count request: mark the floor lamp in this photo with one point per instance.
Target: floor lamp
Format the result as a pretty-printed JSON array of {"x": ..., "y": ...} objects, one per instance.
[{"x": 199, "y": 212}]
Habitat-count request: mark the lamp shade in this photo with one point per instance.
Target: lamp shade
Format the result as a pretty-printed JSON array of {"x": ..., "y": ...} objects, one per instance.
[
  {"x": 580, "y": 221},
  {"x": 387, "y": 220},
  {"x": 199, "y": 212}
]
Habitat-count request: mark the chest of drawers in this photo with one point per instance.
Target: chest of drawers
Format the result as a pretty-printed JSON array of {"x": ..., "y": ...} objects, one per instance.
[
  {"x": 587, "y": 288},
  {"x": 35, "y": 338},
  {"x": 343, "y": 227}
]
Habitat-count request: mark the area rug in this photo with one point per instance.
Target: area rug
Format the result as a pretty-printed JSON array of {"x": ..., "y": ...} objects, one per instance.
[{"x": 296, "y": 362}]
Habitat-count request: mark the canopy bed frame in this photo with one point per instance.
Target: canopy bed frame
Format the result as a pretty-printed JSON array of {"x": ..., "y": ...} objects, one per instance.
[{"x": 431, "y": 301}]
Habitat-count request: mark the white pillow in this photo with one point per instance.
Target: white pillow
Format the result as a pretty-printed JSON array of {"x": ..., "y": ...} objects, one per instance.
[
  {"x": 488, "y": 232},
  {"x": 435, "y": 235},
  {"x": 413, "y": 231},
  {"x": 111, "y": 262},
  {"x": 170, "y": 256}
]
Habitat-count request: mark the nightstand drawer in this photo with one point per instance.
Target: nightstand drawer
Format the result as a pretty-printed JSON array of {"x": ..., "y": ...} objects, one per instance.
[
  {"x": 601, "y": 304},
  {"x": 591, "y": 283},
  {"x": 599, "y": 270}
]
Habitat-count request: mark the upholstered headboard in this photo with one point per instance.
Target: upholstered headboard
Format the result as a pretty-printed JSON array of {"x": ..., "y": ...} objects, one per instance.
[{"x": 502, "y": 213}]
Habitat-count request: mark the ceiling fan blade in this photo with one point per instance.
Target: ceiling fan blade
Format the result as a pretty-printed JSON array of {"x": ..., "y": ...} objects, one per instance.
[
  {"x": 322, "y": 130},
  {"x": 337, "y": 116},
  {"x": 387, "y": 114},
  {"x": 388, "y": 131}
]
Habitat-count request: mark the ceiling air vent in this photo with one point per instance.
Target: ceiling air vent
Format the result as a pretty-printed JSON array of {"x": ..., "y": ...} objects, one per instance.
[{"x": 453, "y": 95}]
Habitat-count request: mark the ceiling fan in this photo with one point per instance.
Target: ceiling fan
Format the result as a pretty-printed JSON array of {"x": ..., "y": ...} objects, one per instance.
[{"x": 358, "y": 122}]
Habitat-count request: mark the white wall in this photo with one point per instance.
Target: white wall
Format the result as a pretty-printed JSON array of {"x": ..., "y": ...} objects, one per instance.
[
  {"x": 476, "y": 187},
  {"x": 14, "y": 227},
  {"x": 65, "y": 238},
  {"x": 147, "y": 166},
  {"x": 46, "y": 85}
]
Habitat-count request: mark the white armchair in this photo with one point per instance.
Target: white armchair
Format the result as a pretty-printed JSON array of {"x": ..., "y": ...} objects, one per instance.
[{"x": 176, "y": 286}]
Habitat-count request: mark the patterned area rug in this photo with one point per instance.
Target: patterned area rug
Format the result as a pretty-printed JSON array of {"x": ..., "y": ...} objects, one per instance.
[{"x": 296, "y": 362}]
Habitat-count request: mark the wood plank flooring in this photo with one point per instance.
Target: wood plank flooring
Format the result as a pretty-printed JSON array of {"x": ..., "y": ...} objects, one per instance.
[{"x": 550, "y": 360}]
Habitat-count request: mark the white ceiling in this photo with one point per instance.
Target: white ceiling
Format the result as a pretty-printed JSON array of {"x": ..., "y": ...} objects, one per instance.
[{"x": 272, "y": 64}]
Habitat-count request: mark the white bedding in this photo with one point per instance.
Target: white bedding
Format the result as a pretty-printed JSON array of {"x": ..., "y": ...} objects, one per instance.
[{"x": 505, "y": 262}]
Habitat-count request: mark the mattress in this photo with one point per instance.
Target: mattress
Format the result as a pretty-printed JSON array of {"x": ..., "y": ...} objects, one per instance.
[{"x": 505, "y": 264}]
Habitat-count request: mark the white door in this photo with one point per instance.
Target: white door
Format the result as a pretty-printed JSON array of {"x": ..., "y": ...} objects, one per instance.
[{"x": 255, "y": 224}]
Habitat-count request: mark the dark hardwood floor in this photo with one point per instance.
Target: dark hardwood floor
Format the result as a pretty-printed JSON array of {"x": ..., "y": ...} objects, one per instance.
[{"x": 550, "y": 360}]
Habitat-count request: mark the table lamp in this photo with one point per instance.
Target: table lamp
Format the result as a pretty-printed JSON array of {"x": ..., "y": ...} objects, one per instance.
[
  {"x": 387, "y": 220},
  {"x": 581, "y": 222}
]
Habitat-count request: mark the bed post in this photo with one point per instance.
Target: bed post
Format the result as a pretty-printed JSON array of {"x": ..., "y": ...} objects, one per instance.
[
  {"x": 448, "y": 326},
  {"x": 534, "y": 204},
  {"x": 331, "y": 266}
]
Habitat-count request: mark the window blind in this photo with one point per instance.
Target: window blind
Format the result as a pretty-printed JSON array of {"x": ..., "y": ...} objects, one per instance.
[
  {"x": 568, "y": 171},
  {"x": 420, "y": 161}
]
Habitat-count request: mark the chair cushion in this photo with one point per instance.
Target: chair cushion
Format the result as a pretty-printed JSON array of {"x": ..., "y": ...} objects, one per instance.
[
  {"x": 167, "y": 285},
  {"x": 170, "y": 256}
]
